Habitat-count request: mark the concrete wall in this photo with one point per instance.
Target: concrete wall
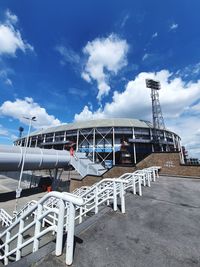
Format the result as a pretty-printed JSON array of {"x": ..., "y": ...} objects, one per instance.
[{"x": 170, "y": 163}]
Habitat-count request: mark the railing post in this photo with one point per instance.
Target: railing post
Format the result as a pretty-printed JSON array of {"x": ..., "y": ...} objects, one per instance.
[
  {"x": 133, "y": 184},
  {"x": 70, "y": 235},
  {"x": 60, "y": 226},
  {"x": 154, "y": 174},
  {"x": 122, "y": 193},
  {"x": 148, "y": 179},
  {"x": 144, "y": 179},
  {"x": 6, "y": 248},
  {"x": 80, "y": 215},
  {"x": 140, "y": 185},
  {"x": 96, "y": 200},
  {"x": 114, "y": 196},
  {"x": 108, "y": 201},
  {"x": 19, "y": 240},
  {"x": 37, "y": 228}
]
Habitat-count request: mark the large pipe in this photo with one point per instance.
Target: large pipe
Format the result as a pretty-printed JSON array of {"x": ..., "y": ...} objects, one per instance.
[{"x": 35, "y": 159}]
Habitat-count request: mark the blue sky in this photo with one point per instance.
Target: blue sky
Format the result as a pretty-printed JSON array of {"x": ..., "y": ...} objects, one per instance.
[{"x": 64, "y": 61}]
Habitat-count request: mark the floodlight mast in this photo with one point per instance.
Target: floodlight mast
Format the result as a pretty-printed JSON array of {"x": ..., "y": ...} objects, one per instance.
[{"x": 158, "y": 121}]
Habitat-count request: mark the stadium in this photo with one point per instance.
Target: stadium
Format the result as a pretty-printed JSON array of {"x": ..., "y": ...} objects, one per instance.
[{"x": 115, "y": 141}]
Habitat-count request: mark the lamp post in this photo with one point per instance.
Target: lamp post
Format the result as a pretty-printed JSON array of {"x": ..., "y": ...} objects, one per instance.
[{"x": 19, "y": 189}]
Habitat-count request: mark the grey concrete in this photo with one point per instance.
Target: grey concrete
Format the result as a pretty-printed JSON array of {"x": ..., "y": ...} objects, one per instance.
[
  {"x": 8, "y": 184},
  {"x": 160, "y": 229},
  {"x": 9, "y": 205}
]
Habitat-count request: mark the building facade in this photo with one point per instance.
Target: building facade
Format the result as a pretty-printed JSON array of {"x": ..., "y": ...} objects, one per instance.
[{"x": 109, "y": 141}]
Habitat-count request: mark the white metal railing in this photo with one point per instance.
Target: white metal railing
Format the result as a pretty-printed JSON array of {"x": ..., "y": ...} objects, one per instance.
[
  {"x": 103, "y": 192},
  {"x": 25, "y": 208},
  {"x": 5, "y": 218},
  {"x": 62, "y": 210},
  {"x": 15, "y": 233},
  {"x": 108, "y": 190}
]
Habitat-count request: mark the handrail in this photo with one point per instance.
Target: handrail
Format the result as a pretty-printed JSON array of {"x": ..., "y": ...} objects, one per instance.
[
  {"x": 61, "y": 210},
  {"x": 37, "y": 223},
  {"x": 5, "y": 217}
]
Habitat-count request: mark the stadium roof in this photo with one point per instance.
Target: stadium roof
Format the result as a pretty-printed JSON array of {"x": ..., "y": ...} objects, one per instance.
[{"x": 114, "y": 122}]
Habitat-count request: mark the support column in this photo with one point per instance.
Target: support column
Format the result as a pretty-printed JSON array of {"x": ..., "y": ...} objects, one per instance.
[
  {"x": 113, "y": 146},
  {"x": 30, "y": 141},
  {"x": 180, "y": 152},
  {"x": 93, "y": 144},
  {"x": 36, "y": 142},
  {"x": 134, "y": 151},
  {"x": 77, "y": 140},
  {"x": 54, "y": 134},
  {"x": 174, "y": 141}
]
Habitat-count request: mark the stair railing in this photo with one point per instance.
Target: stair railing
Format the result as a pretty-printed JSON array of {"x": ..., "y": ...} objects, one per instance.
[
  {"x": 66, "y": 208},
  {"x": 10, "y": 235},
  {"x": 5, "y": 218},
  {"x": 103, "y": 192}
]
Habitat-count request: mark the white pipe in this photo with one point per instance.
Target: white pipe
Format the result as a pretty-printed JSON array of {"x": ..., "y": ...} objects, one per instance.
[{"x": 11, "y": 158}]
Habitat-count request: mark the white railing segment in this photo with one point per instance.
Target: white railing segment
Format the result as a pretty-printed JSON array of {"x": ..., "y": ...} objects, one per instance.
[
  {"x": 5, "y": 218},
  {"x": 103, "y": 192},
  {"x": 59, "y": 211},
  {"x": 25, "y": 208},
  {"x": 11, "y": 236}
]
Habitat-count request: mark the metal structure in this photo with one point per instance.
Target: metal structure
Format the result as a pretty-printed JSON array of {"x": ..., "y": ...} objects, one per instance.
[
  {"x": 11, "y": 158},
  {"x": 102, "y": 140},
  {"x": 158, "y": 121},
  {"x": 62, "y": 210},
  {"x": 21, "y": 129}
]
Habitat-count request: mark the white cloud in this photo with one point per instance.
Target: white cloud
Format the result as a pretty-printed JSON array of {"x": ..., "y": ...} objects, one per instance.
[
  {"x": 146, "y": 55},
  {"x": 28, "y": 108},
  {"x": 173, "y": 26},
  {"x": 68, "y": 55},
  {"x": 188, "y": 128},
  {"x": 86, "y": 77},
  {"x": 4, "y": 76},
  {"x": 11, "y": 18},
  {"x": 154, "y": 35},
  {"x": 176, "y": 98},
  {"x": 124, "y": 20},
  {"x": 8, "y": 82},
  {"x": 105, "y": 57},
  {"x": 10, "y": 38},
  {"x": 87, "y": 114},
  {"x": 3, "y": 131},
  {"x": 77, "y": 92}
]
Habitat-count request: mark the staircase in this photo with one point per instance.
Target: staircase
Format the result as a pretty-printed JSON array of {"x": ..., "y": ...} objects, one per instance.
[
  {"x": 83, "y": 165},
  {"x": 57, "y": 213}
]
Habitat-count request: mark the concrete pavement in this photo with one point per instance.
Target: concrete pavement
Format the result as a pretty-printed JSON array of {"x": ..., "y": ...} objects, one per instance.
[{"x": 159, "y": 229}]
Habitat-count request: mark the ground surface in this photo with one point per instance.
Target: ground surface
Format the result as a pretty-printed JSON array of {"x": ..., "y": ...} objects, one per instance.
[{"x": 161, "y": 228}]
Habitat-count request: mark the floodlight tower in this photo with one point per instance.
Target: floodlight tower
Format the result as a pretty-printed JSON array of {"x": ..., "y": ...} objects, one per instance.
[{"x": 158, "y": 121}]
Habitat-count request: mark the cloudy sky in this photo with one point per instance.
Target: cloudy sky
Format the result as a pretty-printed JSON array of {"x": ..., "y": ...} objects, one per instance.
[{"x": 64, "y": 61}]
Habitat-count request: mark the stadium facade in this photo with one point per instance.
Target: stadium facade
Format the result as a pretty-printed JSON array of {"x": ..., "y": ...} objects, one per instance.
[{"x": 109, "y": 141}]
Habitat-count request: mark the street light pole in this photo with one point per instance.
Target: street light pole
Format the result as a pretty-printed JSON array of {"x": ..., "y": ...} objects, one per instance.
[{"x": 19, "y": 189}]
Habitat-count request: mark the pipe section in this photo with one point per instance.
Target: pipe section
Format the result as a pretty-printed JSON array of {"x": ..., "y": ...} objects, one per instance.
[{"x": 35, "y": 159}]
